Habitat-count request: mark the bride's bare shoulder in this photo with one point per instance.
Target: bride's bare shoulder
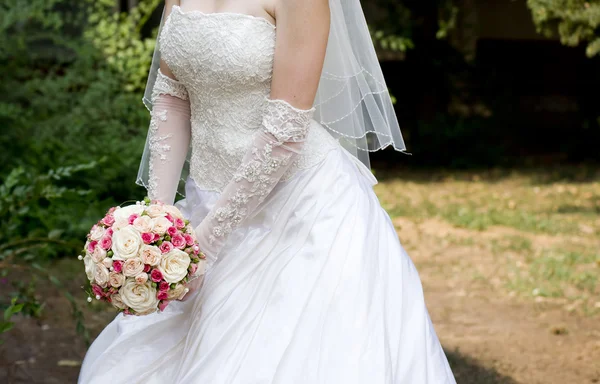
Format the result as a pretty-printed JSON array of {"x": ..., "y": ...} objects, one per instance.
[{"x": 170, "y": 3}]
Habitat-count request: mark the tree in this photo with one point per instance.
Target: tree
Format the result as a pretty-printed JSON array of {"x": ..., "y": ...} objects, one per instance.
[{"x": 577, "y": 21}]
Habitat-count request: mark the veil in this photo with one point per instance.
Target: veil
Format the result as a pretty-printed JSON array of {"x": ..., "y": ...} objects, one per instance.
[{"x": 352, "y": 100}]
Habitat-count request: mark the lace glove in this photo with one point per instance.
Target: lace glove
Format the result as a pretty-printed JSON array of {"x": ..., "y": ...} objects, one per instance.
[
  {"x": 284, "y": 129},
  {"x": 169, "y": 138}
]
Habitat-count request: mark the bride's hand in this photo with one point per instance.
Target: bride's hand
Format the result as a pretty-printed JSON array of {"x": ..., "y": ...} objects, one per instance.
[{"x": 192, "y": 287}]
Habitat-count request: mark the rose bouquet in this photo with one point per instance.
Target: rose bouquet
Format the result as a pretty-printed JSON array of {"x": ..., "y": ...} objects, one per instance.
[{"x": 140, "y": 257}]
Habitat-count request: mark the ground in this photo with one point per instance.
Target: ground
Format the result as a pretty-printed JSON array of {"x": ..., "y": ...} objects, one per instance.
[{"x": 510, "y": 264}]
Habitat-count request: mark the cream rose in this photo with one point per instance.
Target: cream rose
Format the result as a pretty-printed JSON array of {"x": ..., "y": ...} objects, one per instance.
[
  {"x": 116, "y": 279},
  {"x": 141, "y": 278},
  {"x": 90, "y": 267},
  {"x": 174, "y": 265},
  {"x": 98, "y": 255},
  {"x": 139, "y": 297},
  {"x": 125, "y": 212},
  {"x": 126, "y": 243},
  {"x": 160, "y": 225},
  {"x": 133, "y": 267},
  {"x": 143, "y": 224},
  {"x": 174, "y": 212},
  {"x": 155, "y": 210},
  {"x": 101, "y": 275},
  {"x": 97, "y": 232},
  {"x": 150, "y": 255},
  {"x": 176, "y": 292},
  {"x": 117, "y": 301}
]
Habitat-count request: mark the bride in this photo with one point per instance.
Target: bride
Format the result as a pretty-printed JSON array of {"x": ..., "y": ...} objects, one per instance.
[{"x": 279, "y": 103}]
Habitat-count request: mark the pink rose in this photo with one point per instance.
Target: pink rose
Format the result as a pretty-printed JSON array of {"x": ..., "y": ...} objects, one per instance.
[
  {"x": 106, "y": 242},
  {"x": 97, "y": 290},
  {"x": 162, "y": 295},
  {"x": 147, "y": 268},
  {"x": 132, "y": 218},
  {"x": 170, "y": 218},
  {"x": 171, "y": 231},
  {"x": 156, "y": 275},
  {"x": 108, "y": 220},
  {"x": 110, "y": 211},
  {"x": 193, "y": 269},
  {"x": 163, "y": 286},
  {"x": 189, "y": 240},
  {"x": 148, "y": 238},
  {"x": 92, "y": 246},
  {"x": 196, "y": 249},
  {"x": 179, "y": 223},
  {"x": 117, "y": 266},
  {"x": 163, "y": 304},
  {"x": 178, "y": 241},
  {"x": 109, "y": 232},
  {"x": 156, "y": 236},
  {"x": 166, "y": 247}
]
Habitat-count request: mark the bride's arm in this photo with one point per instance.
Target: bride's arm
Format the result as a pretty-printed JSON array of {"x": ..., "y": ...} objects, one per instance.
[
  {"x": 302, "y": 32},
  {"x": 169, "y": 132}
]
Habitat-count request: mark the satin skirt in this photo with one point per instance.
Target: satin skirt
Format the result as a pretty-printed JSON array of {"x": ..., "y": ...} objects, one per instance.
[{"x": 315, "y": 288}]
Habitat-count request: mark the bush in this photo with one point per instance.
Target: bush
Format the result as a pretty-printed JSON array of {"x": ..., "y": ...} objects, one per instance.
[{"x": 73, "y": 127}]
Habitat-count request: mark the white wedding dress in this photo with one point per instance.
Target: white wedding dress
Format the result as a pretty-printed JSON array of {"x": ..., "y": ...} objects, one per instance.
[{"x": 313, "y": 288}]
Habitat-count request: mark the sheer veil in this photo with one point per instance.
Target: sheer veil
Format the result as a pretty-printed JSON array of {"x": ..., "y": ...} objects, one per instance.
[{"x": 352, "y": 100}]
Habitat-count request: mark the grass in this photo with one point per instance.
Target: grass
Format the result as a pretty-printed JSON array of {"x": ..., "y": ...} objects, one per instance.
[{"x": 537, "y": 233}]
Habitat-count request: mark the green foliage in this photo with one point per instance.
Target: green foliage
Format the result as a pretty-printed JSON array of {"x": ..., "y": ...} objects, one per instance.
[
  {"x": 34, "y": 225},
  {"x": 577, "y": 21},
  {"x": 73, "y": 129},
  {"x": 395, "y": 25}
]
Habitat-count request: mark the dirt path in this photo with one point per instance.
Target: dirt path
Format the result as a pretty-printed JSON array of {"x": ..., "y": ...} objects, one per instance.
[{"x": 513, "y": 340}]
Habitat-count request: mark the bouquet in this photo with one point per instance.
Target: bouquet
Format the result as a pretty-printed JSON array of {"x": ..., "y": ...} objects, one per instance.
[{"x": 140, "y": 257}]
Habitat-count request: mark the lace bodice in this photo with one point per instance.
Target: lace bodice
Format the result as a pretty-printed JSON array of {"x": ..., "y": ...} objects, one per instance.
[{"x": 225, "y": 62}]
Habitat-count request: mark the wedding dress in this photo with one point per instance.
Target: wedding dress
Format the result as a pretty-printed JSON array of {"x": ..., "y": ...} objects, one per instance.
[{"x": 311, "y": 284}]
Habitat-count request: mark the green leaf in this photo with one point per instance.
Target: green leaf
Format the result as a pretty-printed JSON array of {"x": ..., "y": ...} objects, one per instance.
[{"x": 6, "y": 326}]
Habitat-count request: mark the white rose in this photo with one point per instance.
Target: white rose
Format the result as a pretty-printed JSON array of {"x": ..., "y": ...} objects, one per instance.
[
  {"x": 117, "y": 301},
  {"x": 174, "y": 212},
  {"x": 98, "y": 255},
  {"x": 160, "y": 225},
  {"x": 124, "y": 212},
  {"x": 174, "y": 266},
  {"x": 141, "y": 278},
  {"x": 116, "y": 279},
  {"x": 150, "y": 254},
  {"x": 126, "y": 243},
  {"x": 101, "y": 275},
  {"x": 139, "y": 297},
  {"x": 133, "y": 267},
  {"x": 107, "y": 262},
  {"x": 156, "y": 210},
  {"x": 90, "y": 267},
  {"x": 143, "y": 224},
  {"x": 97, "y": 232},
  {"x": 120, "y": 224}
]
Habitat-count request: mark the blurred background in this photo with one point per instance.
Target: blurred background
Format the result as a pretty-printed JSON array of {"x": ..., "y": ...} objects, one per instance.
[{"x": 499, "y": 205}]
